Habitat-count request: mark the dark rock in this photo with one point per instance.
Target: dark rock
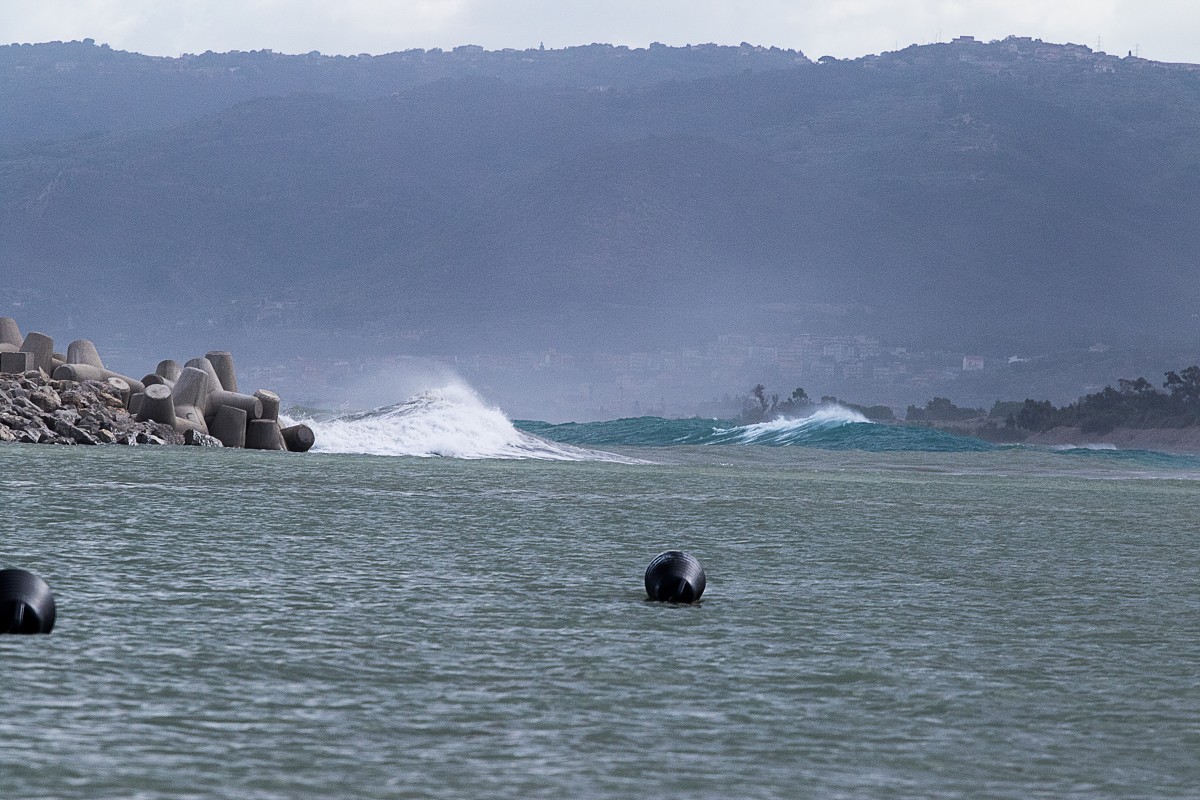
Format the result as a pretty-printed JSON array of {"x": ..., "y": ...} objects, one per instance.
[
  {"x": 76, "y": 435},
  {"x": 45, "y": 399},
  {"x": 197, "y": 439}
]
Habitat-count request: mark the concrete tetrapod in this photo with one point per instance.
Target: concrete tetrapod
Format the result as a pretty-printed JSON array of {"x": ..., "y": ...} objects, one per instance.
[
  {"x": 157, "y": 405},
  {"x": 169, "y": 368},
  {"x": 41, "y": 347},
  {"x": 298, "y": 438},
  {"x": 12, "y": 363},
  {"x": 264, "y": 434},
  {"x": 82, "y": 351},
  {"x": 229, "y": 425},
  {"x": 222, "y": 362},
  {"x": 270, "y": 403},
  {"x": 218, "y": 396},
  {"x": 191, "y": 396},
  {"x": 675, "y": 577},
  {"x": 26, "y": 603},
  {"x": 10, "y": 335},
  {"x": 214, "y": 380},
  {"x": 247, "y": 402},
  {"x": 124, "y": 390},
  {"x": 86, "y": 372}
]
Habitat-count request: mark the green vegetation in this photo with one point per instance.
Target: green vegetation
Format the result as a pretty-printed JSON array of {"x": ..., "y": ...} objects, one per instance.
[{"x": 1132, "y": 404}]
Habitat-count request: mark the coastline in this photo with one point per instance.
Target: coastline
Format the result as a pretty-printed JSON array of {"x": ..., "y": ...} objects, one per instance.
[{"x": 1177, "y": 441}]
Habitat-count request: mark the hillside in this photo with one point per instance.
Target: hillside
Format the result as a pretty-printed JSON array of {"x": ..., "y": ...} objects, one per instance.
[{"x": 973, "y": 197}]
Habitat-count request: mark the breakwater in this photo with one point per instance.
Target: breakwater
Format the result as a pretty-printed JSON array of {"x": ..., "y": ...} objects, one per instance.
[{"x": 48, "y": 397}]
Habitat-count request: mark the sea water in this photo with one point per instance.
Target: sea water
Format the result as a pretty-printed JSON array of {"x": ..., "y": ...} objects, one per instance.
[{"x": 890, "y": 613}]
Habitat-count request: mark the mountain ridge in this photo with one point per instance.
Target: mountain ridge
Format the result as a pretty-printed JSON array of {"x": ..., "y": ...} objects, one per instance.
[{"x": 984, "y": 197}]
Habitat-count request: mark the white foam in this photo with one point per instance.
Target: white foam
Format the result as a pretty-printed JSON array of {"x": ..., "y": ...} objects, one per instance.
[
  {"x": 450, "y": 421},
  {"x": 823, "y": 418}
]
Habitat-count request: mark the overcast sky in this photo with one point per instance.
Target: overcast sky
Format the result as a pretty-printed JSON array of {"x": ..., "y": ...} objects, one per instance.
[{"x": 1164, "y": 30}]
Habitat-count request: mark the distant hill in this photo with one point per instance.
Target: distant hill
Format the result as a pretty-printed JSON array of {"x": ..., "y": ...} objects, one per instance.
[
  {"x": 979, "y": 197},
  {"x": 63, "y": 89}
]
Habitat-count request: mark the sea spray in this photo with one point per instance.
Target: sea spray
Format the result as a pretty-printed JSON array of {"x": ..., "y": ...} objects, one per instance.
[{"x": 450, "y": 421}]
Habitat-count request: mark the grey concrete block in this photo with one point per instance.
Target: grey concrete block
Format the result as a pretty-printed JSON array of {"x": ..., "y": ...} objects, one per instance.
[
  {"x": 214, "y": 380},
  {"x": 124, "y": 391},
  {"x": 155, "y": 378},
  {"x": 157, "y": 405},
  {"x": 10, "y": 333},
  {"x": 82, "y": 351},
  {"x": 222, "y": 362},
  {"x": 298, "y": 438},
  {"x": 169, "y": 369},
  {"x": 247, "y": 402},
  {"x": 270, "y": 403},
  {"x": 264, "y": 434},
  {"x": 229, "y": 425},
  {"x": 16, "y": 363},
  {"x": 86, "y": 372},
  {"x": 191, "y": 396},
  {"x": 41, "y": 347}
]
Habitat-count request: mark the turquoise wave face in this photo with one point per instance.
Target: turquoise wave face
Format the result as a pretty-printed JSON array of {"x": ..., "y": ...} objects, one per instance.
[{"x": 831, "y": 429}]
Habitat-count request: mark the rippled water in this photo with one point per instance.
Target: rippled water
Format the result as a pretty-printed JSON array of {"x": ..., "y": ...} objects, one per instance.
[{"x": 1008, "y": 624}]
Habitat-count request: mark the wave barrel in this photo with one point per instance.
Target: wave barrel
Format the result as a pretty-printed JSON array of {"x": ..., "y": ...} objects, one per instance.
[
  {"x": 675, "y": 577},
  {"x": 26, "y": 603}
]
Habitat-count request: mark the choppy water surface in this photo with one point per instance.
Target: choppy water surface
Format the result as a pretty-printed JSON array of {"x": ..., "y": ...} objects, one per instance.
[{"x": 1008, "y": 624}]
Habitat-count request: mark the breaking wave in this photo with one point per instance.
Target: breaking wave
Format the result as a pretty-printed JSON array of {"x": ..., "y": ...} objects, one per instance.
[
  {"x": 451, "y": 422},
  {"x": 831, "y": 427}
]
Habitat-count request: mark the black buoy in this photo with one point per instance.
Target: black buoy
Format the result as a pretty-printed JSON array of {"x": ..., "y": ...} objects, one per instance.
[
  {"x": 26, "y": 603},
  {"x": 675, "y": 577}
]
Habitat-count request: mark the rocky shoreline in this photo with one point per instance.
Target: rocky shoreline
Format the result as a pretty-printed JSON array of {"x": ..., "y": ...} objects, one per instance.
[
  {"x": 35, "y": 409},
  {"x": 47, "y": 397}
]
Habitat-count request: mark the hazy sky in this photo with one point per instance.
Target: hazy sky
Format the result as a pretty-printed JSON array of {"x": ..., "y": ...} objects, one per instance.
[{"x": 1164, "y": 30}]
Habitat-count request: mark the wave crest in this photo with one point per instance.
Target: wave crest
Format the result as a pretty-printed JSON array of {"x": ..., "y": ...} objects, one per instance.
[
  {"x": 790, "y": 430},
  {"x": 451, "y": 422}
]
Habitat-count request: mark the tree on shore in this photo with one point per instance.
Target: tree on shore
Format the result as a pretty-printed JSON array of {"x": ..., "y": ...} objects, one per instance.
[
  {"x": 764, "y": 408},
  {"x": 1184, "y": 386}
]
